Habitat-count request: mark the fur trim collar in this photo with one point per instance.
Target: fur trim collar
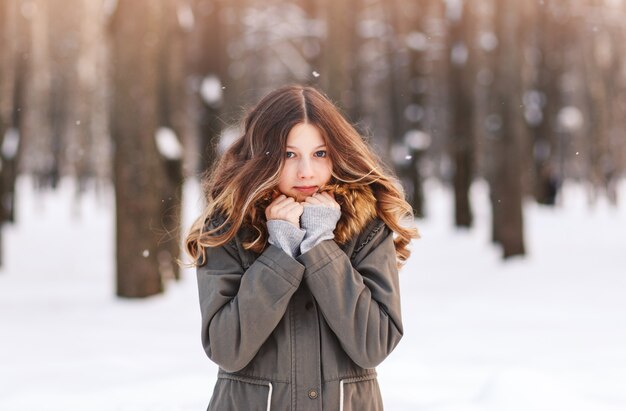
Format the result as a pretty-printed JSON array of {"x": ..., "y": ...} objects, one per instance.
[{"x": 358, "y": 208}]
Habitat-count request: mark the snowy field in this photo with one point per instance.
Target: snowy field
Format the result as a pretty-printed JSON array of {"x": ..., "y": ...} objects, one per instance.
[{"x": 545, "y": 332}]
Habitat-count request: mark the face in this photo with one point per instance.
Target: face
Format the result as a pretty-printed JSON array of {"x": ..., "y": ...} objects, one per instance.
[{"x": 307, "y": 166}]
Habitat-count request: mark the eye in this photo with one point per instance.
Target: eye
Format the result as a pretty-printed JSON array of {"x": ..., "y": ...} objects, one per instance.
[
  {"x": 321, "y": 153},
  {"x": 289, "y": 154}
]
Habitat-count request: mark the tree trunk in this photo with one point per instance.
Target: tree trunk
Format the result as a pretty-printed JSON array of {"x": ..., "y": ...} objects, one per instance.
[
  {"x": 138, "y": 169},
  {"x": 506, "y": 185},
  {"x": 35, "y": 131},
  {"x": 462, "y": 143},
  {"x": 548, "y": 35},
  {"x": 5, "y": 74},
  {"x": 600, "y": 71},
  {"x": 171, "y": 98},
  {"x": 313, "y": 12},
  {"x": 417, "y": 14},
  {"x": 398, "y": 97},
  {"x": 210, "y": 64},
  {"x": 338, "y": 55},
  {"x": 13, "y": 69},
  {"x": 92, "y": 132}
]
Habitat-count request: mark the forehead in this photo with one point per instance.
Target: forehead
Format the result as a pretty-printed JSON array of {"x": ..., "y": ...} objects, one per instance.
[{"x": 304, "y": 136}]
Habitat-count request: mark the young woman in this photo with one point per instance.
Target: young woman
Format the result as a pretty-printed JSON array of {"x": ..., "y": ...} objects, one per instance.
[{"x": 297, "y": 256}]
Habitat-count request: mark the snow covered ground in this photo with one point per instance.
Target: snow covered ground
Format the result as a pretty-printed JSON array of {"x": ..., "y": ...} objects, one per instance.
[{"x": 545, "y": 332}]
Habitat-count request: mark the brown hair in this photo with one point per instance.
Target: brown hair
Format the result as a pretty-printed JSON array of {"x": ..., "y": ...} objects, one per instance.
[{"x": 244, "y": 180}]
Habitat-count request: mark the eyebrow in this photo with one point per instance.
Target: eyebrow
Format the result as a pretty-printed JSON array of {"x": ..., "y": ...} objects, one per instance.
[{"x": 320, "y": 146}]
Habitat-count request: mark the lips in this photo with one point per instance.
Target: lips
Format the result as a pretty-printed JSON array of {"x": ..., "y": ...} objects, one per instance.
[{"x": 306, "y": 189}]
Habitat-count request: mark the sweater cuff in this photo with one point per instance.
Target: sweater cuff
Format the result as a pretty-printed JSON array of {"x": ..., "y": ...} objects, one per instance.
[
  {"x": 285, "y": 236},
  {"x": 319, "y": 223}
]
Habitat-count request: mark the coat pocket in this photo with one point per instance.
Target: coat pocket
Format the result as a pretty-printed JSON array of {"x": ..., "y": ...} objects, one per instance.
[
  {"x": 235, "y": 394},
  {"x": 360, "y": 394}
]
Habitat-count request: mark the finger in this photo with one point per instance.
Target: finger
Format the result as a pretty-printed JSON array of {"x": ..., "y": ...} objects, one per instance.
[
  {"x": 284, "y": 210},
  {"x": 283, "y": 201},
  {"x": 277, "y": 205},
  {"x": 329, "y": 199},
  {"x": 325, "y": 199},
  {"x": 277, "y": 200},
  {"x": 312, "y": 200},
  {"x": 290, "y": 207},
  {"x": 295, "y": 211}
]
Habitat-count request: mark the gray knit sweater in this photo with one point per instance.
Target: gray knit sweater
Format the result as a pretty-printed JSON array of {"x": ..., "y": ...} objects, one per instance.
[{"x": 317, "y": 224}]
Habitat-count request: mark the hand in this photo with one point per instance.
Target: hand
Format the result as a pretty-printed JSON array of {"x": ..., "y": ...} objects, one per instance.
[
  {"x": 284, "y": 208},
  {"x": 325, "y": 199}
]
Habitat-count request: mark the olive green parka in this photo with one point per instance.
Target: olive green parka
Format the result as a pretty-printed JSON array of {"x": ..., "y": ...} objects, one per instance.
[{"x": 301, "y": 334}]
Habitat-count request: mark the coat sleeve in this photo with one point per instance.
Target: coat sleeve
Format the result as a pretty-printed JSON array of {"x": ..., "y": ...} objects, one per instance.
[
  {"x": 241, "y": 309},
  {"x": 360, "y": 303}
]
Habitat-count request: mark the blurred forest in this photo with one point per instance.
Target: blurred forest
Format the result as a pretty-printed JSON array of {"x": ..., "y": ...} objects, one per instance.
[{"x": 143, "y": 93}]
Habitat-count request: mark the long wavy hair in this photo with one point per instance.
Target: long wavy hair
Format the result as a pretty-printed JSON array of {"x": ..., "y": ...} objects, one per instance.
[{"x": 244, "y": 180}]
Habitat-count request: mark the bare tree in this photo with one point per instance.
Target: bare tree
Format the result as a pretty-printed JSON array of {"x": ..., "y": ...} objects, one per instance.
[
  {"x": 462, "y": 74},
  {"x": 14, "y": 66},
  {"x": 216, "y": 22},
  {"x": 338, "y": 52},
  {"x": 506, "y": 127},
  {"x": 138, "y": 169},
  {"x": 417, "y": 14},
  {"x": 543, "y": 102},
  {"x": 601, "y": 67},
  {"x": 91, "y": 156},
  {"x": 6, "y": 75},
  {"x": 311, "y": 48},
  {"x": 171, "y": 99},
  {"x": 67, "y": 135}
]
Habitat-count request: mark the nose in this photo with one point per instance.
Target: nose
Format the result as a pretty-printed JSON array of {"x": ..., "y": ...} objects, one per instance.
[{"x": 305, "y": 169}]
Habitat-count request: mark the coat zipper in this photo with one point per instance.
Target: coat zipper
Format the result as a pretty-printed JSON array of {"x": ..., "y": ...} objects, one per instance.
[
  {"x": 269, "y": 397},
  {"x": 341, "y": 395}
]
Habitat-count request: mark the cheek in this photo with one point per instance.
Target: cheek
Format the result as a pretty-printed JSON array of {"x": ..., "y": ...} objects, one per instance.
[
  {"x": 285, "y": 177},
  {"x": 326, "y": 172}
]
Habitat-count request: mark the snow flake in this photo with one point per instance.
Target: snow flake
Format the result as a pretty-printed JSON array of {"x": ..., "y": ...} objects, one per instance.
[
  {"x": 211, "y": 90},
  {"x": 228, "y": 137},
  {"x": 493, "y": 123},
  {"x": 109, "y": 7},
  {"x": 10, "y": 143},
  {"x": 417, "y": 139},
  {"x": 459, "y": 54},
  {"x": 414, "y": 112},
  {"x": 488, "y": 41},
  {"x": 417, "y": 41},
  {"x": 168, "y": 144},
  {"x": 570, "y": 118},
  {"x": 400, "y": 154},
  {"x": 185, "y": 17},
  {"x": 28, "y": 9}
]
